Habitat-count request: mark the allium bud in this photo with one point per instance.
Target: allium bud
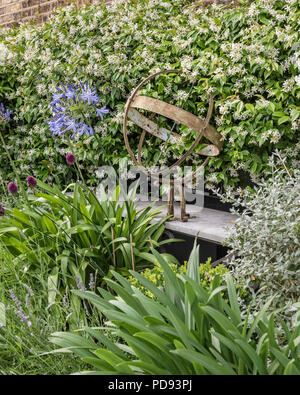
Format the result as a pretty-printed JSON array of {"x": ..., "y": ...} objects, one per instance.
[
  {"x": 12, "y": 188},
  {"x": 70, "y": 159},
  {"x": 31, "y": 181}
]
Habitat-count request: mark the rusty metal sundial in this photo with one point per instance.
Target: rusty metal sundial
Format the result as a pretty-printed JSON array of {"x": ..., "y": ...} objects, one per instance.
[{"x": 178, "y": 115}]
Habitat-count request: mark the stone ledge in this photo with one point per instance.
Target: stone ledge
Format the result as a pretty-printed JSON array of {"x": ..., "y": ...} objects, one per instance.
[{"x": 205, "y": 223}]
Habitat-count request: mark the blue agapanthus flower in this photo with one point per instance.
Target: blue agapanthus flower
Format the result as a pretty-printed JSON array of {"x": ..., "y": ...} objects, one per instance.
[
  {"x": 5, "y": 114},
  {"x": 73, "y": 107}
]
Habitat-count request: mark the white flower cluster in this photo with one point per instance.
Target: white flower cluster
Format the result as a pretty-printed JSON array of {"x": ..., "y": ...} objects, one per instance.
[{"x": 5, "y": 54}]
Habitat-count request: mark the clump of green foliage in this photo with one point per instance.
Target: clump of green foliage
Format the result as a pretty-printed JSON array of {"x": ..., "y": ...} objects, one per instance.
[
  {"x": 28, "y": 315},
  {"x": 77, "y": 234},
  {"x": 156, "y": 275},
  {"x": 186, "y": 330}
]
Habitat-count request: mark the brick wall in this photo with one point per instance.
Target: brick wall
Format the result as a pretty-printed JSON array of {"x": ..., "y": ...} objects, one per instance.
[{"x": 14, "y": 11}]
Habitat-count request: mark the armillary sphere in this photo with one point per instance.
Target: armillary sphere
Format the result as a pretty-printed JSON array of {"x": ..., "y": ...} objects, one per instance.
[{"x": 178, "y": 115}]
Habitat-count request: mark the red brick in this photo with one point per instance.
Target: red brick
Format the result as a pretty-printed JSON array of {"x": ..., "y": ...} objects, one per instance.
[{"x": 14, "y": 11}]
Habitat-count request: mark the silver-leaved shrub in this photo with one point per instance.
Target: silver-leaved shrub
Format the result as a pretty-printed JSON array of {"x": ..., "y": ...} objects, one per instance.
[{"x": 266, "y": 238}]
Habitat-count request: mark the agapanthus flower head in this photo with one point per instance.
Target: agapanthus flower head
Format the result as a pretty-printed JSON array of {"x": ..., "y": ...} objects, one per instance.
[
  {"x": 4, "y": 114},
  {"x": 74, "y": 107},
  {"x": 31, "y": 181},
  {"x": 70, "y": 159},
  {"x": 12, "y": 188},
  {"x": 2, "y": 210}
]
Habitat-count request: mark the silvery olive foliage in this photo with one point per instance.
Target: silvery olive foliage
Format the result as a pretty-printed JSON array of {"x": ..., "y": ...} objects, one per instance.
[
  {"x": 267, "y": 239},
  {"x": 247, "y": 56}
]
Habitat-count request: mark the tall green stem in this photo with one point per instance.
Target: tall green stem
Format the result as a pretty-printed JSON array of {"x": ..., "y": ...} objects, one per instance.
[
  {"x": 77, "y": 166},
  {"x": 14, "y": 168}
]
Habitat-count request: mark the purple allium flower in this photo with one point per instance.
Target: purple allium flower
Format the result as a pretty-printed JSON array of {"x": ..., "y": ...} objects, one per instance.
[
  {"x": 12, "y": 188},
  {"x": 70, "y": 159},
  {"x": 31, "y": 181},
  {"x": 2, "y": 210},
  {"x": 4, "y": 115}
]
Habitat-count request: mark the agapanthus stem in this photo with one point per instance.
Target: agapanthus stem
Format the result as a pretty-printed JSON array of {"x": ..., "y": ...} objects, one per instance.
[{"x": 14, "y": 167}]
